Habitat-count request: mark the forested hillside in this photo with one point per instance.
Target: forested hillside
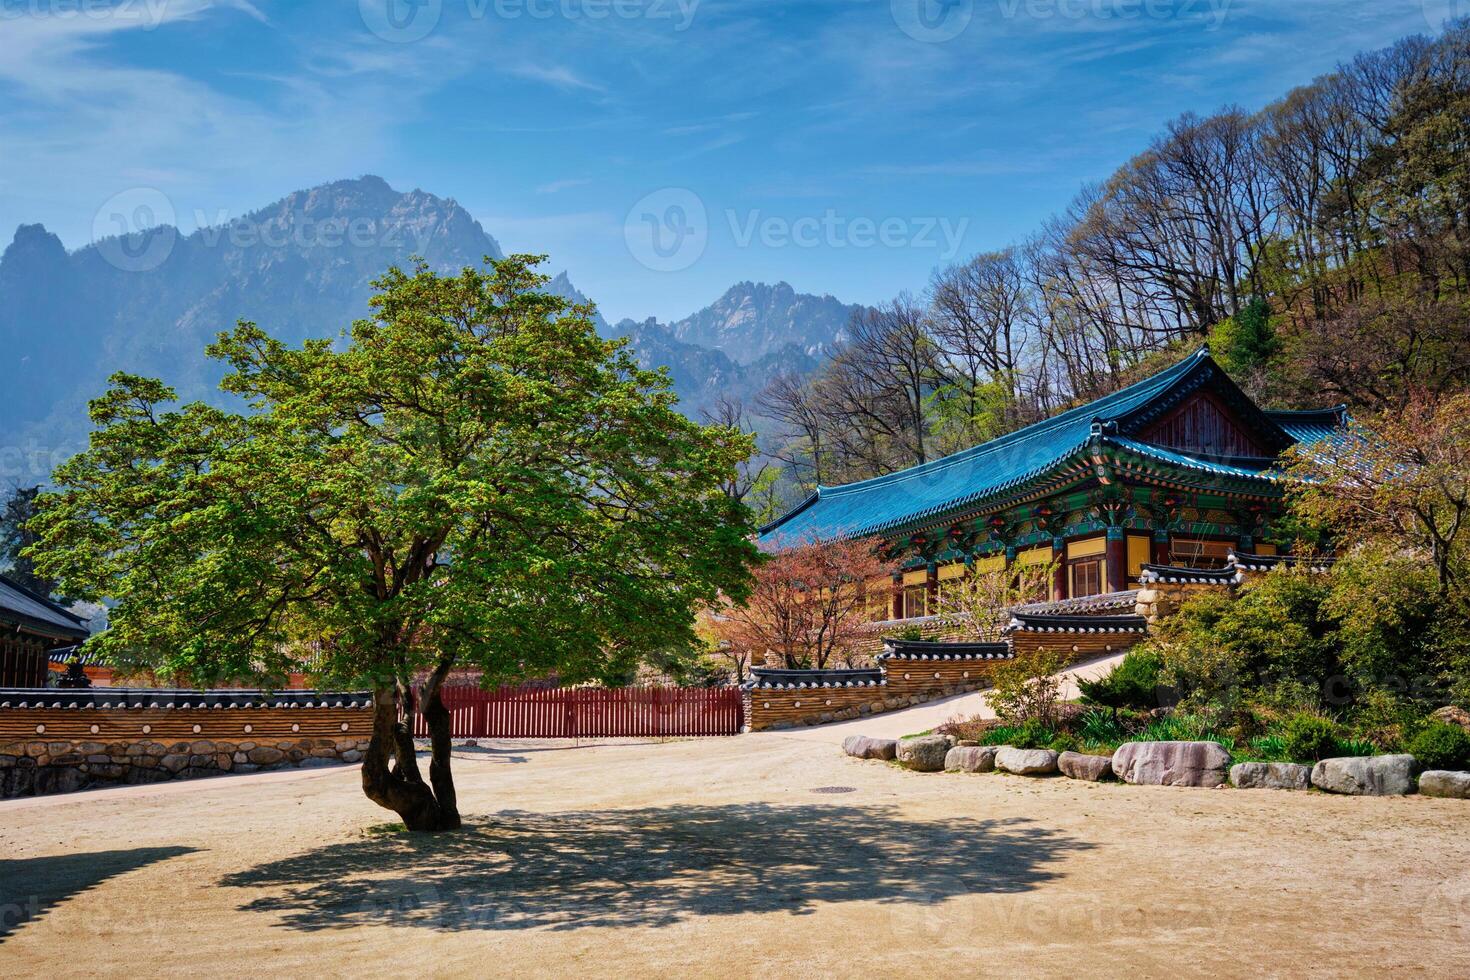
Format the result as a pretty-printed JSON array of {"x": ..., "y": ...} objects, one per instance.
[{"x": 1321, "y": 245}]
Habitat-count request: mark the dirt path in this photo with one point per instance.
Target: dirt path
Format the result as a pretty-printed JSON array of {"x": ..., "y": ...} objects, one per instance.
[
  {"x": 922, "y": 718},
  {"x": 720, "y": 857}
]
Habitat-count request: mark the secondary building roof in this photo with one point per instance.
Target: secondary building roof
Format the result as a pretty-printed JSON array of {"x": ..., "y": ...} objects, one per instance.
[
  {"x": 35, "y": 613},
  {"x": 989, "y": 471}
]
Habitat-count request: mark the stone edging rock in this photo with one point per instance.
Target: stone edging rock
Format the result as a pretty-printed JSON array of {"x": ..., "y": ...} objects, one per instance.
[{"x": 1200, "y": 764}]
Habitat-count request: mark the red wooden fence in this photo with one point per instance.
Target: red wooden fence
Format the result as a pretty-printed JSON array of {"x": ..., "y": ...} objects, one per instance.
[{"x": 522, "y": 712}]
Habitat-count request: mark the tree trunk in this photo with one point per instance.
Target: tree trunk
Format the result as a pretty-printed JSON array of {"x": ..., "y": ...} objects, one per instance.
[
  {"x": 390, "y": 771},
  {"x": 440, "y": 777}
]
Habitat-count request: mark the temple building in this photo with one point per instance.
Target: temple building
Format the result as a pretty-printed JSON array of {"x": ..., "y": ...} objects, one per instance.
[
  {"x": 31, "y": 628},
  {"x": 1181, "y": 469}
]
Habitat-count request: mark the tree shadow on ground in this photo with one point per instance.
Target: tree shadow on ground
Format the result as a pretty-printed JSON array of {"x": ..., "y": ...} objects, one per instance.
[
  {"x": 656, "y": 866},
  {"x": 31, "y": 887}
]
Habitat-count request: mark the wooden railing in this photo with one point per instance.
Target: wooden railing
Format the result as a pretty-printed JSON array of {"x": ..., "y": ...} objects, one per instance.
[{"x": 523, "y": 712}]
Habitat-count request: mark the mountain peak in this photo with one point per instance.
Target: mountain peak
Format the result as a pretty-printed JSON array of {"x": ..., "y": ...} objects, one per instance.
[
  {"x": 34, "y": 239},
  {"x": 754, "y": 319}
]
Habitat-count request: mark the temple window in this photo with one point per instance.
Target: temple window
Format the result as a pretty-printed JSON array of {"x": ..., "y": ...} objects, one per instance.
[
  {"x": 1199, "y": 552},
  {"x": 915, "y": 594},
  {"x": 1086, "y": 575}
]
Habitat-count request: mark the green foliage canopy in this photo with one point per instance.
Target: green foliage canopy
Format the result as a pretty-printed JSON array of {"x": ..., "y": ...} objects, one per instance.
[{"x": 471, "y": 477}]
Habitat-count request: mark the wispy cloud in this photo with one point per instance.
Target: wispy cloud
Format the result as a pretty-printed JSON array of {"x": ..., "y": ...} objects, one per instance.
[
  {"x": 557, "y": 186},
  {"x": 559, "y": 76}
]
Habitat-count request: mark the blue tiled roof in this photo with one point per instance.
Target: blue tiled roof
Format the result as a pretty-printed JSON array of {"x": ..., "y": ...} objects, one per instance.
[
  {"x": 1312, "y": 426},
  {"x": 912, "y": 495},
  {"x": 1186, "y": 461}
]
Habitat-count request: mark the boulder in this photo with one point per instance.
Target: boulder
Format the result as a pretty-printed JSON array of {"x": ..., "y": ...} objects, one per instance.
[
  {"x": 1442, "y": 783},
  {"x": 1379, "y": 775},
  {"x": 265, "y": 755},
  {"x": 1172, "y": 763},
  {"x": 925, "y": 753},
  {"x": 862, "y": 747},
  {"x": 59, "y": 781},
  {"x": 970, "y": 758},
  {"x": 1093, "y": 768},
  {"x": 1270, "y": 775},
  {"x": 1026, "y": 762}
]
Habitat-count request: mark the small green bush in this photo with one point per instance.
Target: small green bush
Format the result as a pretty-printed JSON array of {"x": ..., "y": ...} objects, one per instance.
[
  {"x": 1184, "y": 728},
  {"x": 1099, "y": 727},
  {"x": 1028, "y": 735},
  {"x": 1134, "y": 683},
  {"x": 907, "y": 634},
  {"x": 1062, "y": 742},
  {"x": 1269, "y": 748},
  {"x": 1356, "y": 746},
  {"x": 1441, "y": 746},
  {"x": 1308, "y": 736},
  {"x": 1027, "y": 688}
]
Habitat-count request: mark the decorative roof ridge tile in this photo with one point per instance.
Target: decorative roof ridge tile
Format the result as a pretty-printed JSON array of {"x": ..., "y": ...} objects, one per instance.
[
  {"x": 133, "y": 699},
  {"x": 1033, "y": 622},
  {"x": 1170, "y": 574},
  {"x": 1086, "y": 605},
  {"x": 1242, "y": 562},
  {"x": 931, "y": 650}
]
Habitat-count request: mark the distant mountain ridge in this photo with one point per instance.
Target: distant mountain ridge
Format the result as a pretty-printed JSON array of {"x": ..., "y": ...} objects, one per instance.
[
  {"x": 754, "y": 319},
  {"x": 302, "y": 267}
]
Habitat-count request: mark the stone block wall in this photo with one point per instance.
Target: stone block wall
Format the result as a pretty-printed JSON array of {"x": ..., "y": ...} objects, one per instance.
[
  {"x": 906, "y": 682},
  {"x": 1159, "y": 600},
  {"x": 57, "y": 741},
  {"x": 37, "y": 767}
]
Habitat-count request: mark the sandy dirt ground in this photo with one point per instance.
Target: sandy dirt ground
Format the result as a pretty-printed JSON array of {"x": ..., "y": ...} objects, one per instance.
[{"x": 765, "y": 855}]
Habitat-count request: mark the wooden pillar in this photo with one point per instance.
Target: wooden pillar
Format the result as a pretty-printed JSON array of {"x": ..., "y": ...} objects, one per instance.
[
  {"x": 897, "y": 595},
  {"x": 931, "y": 588},
  {"x": 1117, "y": 560},
  {"x": 1059, "y": 574},
  {"x": 1161, "y": 548}
]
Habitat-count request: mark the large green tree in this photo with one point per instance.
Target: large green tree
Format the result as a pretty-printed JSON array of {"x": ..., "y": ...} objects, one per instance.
[{"x": 471, "y": 478}]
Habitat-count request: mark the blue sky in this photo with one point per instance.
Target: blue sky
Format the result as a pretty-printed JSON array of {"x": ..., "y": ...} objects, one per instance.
[{"x": 660, "y": 150}]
